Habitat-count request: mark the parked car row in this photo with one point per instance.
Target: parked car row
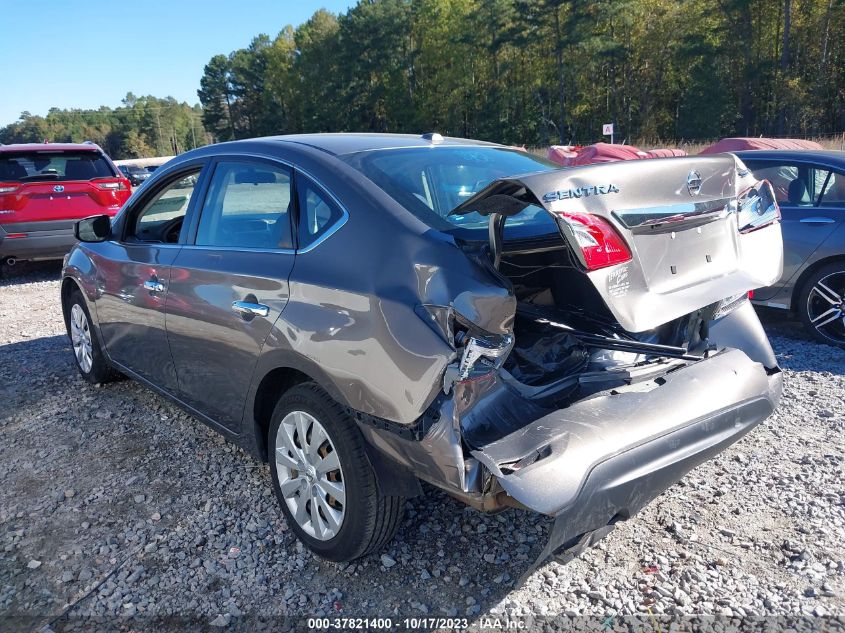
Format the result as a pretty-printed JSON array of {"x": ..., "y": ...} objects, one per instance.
[{"x": 40, "y": 200}]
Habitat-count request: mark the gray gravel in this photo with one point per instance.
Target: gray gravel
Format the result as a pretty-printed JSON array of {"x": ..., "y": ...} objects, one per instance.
[{"x": 115, "y": 502}]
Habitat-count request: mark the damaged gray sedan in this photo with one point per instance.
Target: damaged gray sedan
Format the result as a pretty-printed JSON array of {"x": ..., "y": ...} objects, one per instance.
[{"x": 368, "y": 311}]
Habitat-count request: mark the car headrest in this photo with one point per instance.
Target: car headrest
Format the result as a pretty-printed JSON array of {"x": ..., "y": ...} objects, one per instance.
[{"x": 798, "y": 193}]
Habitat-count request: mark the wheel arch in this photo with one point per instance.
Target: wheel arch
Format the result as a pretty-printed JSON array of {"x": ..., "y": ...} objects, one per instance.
[
  {"x": 69, "y": 284},
  {"x": 809, "y": 272},
  {"x": 392, "y": 478}
]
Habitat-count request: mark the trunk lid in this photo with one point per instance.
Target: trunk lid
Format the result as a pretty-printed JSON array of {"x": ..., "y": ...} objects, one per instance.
[{"x": 691, "y": 226}]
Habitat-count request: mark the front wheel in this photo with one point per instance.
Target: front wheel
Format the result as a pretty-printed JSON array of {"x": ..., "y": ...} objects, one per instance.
[
  {"x": 821, "y": 304},
  {"x": 323, "y": 479}
]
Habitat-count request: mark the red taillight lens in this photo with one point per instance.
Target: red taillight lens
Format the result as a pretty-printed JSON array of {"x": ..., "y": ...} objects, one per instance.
[
  {"x": 600, "y": 244},
  {"x": 14, "y": 236},
  {"x": 750, "y": 294},
  {"x": 8, "y": 187}
]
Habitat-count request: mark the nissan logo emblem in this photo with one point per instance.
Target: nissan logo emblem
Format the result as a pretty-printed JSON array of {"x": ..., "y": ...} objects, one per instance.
[{"x": 694, "y": 183}]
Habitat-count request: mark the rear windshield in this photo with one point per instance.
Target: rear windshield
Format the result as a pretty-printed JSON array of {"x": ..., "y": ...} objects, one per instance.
[
  {"x": 431, "y": 181},
  {"x": 37, "y": 166}
]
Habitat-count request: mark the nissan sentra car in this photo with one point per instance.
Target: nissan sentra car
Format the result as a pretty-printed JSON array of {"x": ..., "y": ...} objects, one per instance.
[{"x": 365, "y": 311}]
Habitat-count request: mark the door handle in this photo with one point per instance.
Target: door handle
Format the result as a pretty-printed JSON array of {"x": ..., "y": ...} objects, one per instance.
[
  {"x": 154, "y": 285},
  {"x": 250, "y": 309},
  {"x": 817, "y": 220}
]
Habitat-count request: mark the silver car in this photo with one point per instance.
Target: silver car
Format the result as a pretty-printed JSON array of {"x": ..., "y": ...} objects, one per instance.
[{"x": 368, "y": 311}]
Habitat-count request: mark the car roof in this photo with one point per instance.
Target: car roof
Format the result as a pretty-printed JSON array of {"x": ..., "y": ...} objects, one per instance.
[
  {"x": 51, "y": 147},
  {"x": 827, "y": 157},
  {"x": 341, "y": 143}
]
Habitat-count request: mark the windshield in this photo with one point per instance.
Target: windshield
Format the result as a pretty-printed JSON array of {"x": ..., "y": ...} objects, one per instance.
[
  {"x": 47, "y": 165},
  {"x": 431, "y": 181}
]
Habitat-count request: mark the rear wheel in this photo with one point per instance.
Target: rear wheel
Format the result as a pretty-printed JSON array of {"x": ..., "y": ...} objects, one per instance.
[
  {"x": 323, "y": 480},
  {"x": 821, "y": 304},
  {"x": 90, "y": 360}
]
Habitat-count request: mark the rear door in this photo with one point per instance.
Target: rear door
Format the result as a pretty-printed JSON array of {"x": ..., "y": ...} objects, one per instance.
[
  {"x": 230, "y": 284},
  {"x": 811, "y": 203},
  {"x": 133, "y": 275}
]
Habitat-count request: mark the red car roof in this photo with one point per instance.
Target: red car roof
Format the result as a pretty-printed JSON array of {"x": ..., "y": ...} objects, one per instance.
[
  {"x": 743, "y": 143},
  {"x": 51, "y": 147}
]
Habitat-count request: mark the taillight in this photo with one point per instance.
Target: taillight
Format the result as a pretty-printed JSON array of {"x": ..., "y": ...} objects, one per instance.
[
  {"x": 8, "y": 187},
  {"x": 600, "y": 244},
  {"x": 112, "y": 185},
  {"x": 757, "y": 207},
  {"x": 493, "y": 350}
]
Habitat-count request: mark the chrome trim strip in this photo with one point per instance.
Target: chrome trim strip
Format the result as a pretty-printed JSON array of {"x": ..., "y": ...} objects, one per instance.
[{"x": 673, "y": 213}]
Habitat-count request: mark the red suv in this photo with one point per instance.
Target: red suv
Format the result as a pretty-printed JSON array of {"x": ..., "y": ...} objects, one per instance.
[{"x": 45, "y": 189}]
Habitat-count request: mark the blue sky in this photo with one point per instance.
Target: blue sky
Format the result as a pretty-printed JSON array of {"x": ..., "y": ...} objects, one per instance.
[{"x": 88, "y": 53}]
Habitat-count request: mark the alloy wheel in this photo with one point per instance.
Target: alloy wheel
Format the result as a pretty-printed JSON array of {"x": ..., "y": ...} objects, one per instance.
[
  {"x": 310, "y": 476},
  {"x": 826, "y": 307},
  {"x": 80, "y": 335}
]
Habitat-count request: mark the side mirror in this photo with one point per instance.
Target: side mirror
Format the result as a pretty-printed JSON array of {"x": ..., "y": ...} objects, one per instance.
[{"x": 97, "y": 228}]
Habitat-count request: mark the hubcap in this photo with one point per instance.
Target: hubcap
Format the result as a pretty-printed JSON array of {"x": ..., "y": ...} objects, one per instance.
[
  {"x": 826, "y": 307},
  {"x": 80, "y": 336},
  {"x": 310, "y": 476}
]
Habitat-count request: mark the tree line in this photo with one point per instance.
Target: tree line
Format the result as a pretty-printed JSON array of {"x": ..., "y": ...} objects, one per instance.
[
  {"x": 141, "y": 127},
  {"x": 531, "y": 72},
  {"x": 541, "y": 71}
]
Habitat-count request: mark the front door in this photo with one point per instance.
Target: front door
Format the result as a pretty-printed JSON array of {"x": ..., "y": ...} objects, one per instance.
[
  {"x": 133, "y": 275},
  {"x": 807, "y": 197},
  {"x": 228, "y": 288}
]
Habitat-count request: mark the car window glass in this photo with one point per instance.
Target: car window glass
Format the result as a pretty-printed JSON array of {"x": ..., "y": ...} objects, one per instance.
[
  {"x": 794, "y": 184},
  {"x": 248, "y": 206},
  {"x": 318, "y": 213},
  {"x": 833, "y": 194},
  {"x": 160, "y": 219},
  {"x": 51, "y": 166}
]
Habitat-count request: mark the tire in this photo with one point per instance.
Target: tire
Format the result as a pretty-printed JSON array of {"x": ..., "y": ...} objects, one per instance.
[
  {"x": 368, "y": 520},
  {"x": 821, "y": 304},
  {"x": 88, "y": 356}
]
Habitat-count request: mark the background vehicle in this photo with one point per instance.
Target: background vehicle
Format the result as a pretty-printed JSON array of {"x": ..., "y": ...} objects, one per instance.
[
  {"x": 810, "y": 189},
  {"x": 136, "y": 175},
  {"x": 45, "y": 189},
  {"x": 368, "y": 310}
]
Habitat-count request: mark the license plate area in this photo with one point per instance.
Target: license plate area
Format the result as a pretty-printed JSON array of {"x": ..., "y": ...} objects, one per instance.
[{"x": 675, "y": 259}]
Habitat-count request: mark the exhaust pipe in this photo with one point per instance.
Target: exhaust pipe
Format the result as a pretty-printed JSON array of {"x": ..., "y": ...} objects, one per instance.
[{"x": 11, "y": 261}]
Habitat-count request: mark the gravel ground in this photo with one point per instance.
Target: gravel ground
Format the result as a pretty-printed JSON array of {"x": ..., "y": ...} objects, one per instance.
[{"x": 115, "y": 502}]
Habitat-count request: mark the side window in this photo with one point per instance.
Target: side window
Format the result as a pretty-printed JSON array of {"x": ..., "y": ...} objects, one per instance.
[
  {"x": 833, "y": 192},
  {"x": 160, "y": 219},
  {"x": 248, "y": 206},
  {"x": 795, "y": 185},
  {"x": 317, "y": 212}
]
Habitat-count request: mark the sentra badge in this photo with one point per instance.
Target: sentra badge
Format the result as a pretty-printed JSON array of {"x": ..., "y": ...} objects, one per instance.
[{"x": 580, "y": 192}]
